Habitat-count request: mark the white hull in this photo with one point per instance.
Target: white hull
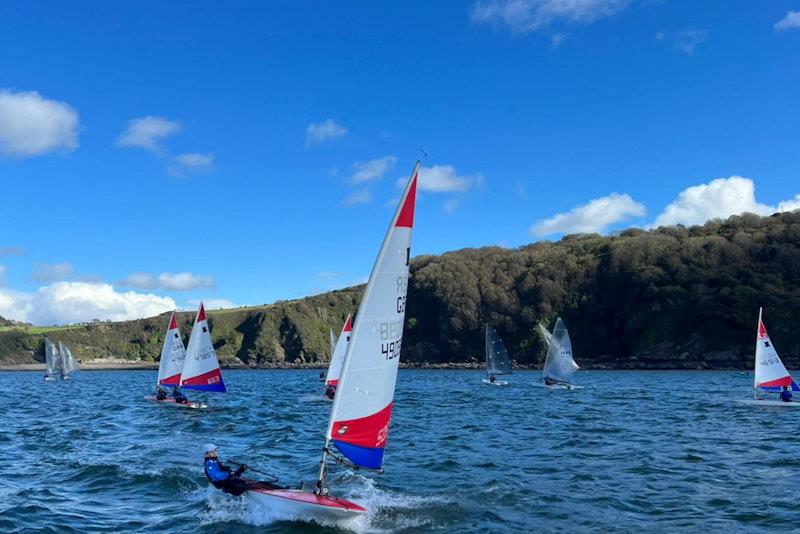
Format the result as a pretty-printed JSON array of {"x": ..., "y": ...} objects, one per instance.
[
  {"x": 171, "y": 402},
  {"x": 556, "y": 386},
  {"x": 496, "y": 382},
  {"x": 304, "y": 505},
  {"x": 767, "y": 402}
]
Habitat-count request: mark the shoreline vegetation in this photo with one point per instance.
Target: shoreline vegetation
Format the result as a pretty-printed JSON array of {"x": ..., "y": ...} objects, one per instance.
[{"x": 663, "y": 299}]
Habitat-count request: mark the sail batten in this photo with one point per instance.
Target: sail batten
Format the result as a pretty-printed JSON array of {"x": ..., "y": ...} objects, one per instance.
[{"x": 359, "y": 422}]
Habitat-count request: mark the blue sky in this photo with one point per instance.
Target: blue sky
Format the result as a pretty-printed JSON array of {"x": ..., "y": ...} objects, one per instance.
[{"x": 153, "y": 154}]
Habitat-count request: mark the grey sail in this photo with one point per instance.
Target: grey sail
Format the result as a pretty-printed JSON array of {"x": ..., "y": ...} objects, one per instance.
[
  {"x": 68, "y": 364},
  {"x": 51, "y": 359},
  {"x": 333, "y": 343},
  {"x": 559, "y": 365},
  {"x": 497, "y": 360}
]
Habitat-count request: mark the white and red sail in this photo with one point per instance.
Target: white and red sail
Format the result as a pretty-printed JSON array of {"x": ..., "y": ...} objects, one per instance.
[
  {"x": 173, "y": 354},
  {"x": 770, "y": 373},
  {"x": 201, "y": 369},
  {"x": 362, "y": 408},
  {"x": 337, "y": 358}
]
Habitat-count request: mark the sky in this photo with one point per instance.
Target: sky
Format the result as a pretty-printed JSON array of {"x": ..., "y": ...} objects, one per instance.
[{"x": 153, "y": 154}]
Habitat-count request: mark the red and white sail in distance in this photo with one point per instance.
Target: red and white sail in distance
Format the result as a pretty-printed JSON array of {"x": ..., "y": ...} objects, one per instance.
[
  {"x": 173, "y": 354},
  {"x": 770, "y": 373},
  {"x": 359, "y": 423},
  {"x": 337, "y": 358},
  {"x": 201, "y": 370}
]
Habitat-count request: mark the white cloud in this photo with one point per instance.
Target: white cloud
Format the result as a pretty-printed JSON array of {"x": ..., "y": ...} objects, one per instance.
[
  {"x": 790, "y": 22},
  {"x": 31, "y": 125},
  {"x": 191, "y": 162},
  {"x": 372, "y": 170},
  {"x": 212, "y": 304},
  {"x": 51, "y": 272},
  {"x": 320, "y": 132},
  {"x": 72, "y": 302},
  {"x": 147, "y": 133},
  {"x": 596, "y": 216},
  {"x": 718, "y": 198},
  {"x": 685, "y": 41},
  {"x": 168, "y": 281},
  {"x": 527, "y": 16},
  {"x": 451, "y": 205},
  {"x": 443, "y": 179},
  {"x": 357, "y": 196}
]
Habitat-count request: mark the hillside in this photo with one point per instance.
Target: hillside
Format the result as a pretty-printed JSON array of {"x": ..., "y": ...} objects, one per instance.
[{"x": 669, "y": 298}]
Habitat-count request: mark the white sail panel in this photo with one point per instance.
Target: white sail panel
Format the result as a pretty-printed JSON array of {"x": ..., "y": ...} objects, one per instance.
[
  {"x": 558, "y": 364},
  {"x": 201, "y": 368},
  {"x": 173, "y": 354},
  {"x": 362, "y": 408},
  {"x": 335, "y": 365},
  {"x": 770, "y": 373}
]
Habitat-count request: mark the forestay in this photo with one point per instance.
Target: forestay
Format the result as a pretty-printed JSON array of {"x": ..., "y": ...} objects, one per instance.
[
  {"x": 337, "y": 359},
  {"x": 770, "y": 373},
  {"x": 201, "y": 369},
  {"x": 362, "y": 408},
  {"x": 497, "y": 360},
  {"x": 173, "y": 354},
  {"x": 559, "y": 365}
]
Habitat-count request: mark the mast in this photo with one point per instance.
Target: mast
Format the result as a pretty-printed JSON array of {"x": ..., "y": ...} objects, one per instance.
[
  {"x": 360, "y": 319},
  {"x": 486, "y": 347},
  {"x": 755, "y": 359}
]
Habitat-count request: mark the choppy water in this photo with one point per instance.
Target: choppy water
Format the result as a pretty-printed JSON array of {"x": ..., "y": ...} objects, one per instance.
[{"x": 635, "y": 450}]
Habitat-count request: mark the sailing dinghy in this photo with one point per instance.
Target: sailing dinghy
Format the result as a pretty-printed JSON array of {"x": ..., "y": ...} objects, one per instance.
[
  {"x": 770, "y": 373},
  {"x": 337, "y": 359},
  {"x": 68, "y": 364},
  {"x": 558, "y": 365},
  {"x": 52, "y": 361},
  {"x": 497, "y": 360},
  {"x": 201, "y": 370},
  {"x": 170, "y": 366},
  {"x": 359, "y": 421}
]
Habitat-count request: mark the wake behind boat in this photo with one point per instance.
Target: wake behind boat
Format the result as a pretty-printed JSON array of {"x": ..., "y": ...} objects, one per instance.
[
  {"x": 497, "y": 360},
  {"x": 358, "y": 427},
  {"x": 770, "y": 374},
  {"x": 558, "y": 366}
]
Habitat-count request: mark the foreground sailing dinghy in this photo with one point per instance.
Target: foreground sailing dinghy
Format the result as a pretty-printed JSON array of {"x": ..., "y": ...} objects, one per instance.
[
  {"x": 170, "y": 366},
  {"x": 497, "y": 360},
  {"x": 558, "y": 365},
  {"x": 337, "y": 359},
  {"x": 770, "y": 373},
  {"x": 359, "y": 421}
]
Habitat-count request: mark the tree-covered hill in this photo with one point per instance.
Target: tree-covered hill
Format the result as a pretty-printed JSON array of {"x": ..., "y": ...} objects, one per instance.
[{"x": 673, "y": 297}]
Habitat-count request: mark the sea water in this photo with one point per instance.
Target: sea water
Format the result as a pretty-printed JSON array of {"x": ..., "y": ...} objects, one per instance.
[{"x": 657, "y": 451}]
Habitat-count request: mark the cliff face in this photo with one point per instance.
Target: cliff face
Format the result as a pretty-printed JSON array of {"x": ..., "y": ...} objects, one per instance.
[{"x": 671, "y": 298}]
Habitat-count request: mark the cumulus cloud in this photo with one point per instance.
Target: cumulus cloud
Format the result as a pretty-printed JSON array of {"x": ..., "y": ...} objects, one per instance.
[
  {"x": 148, "y": 133},
  {"x": 372, "y": 170},
  {"x": 31, "y": 125},
  {"x": 685, "y": 41},
  {"x": 168, "y": 281},
  {"x": 357, "y": 196},
  {"x": 790, "y": 22},
  {"x": 320, "y": 132},
  {"x": 52, "y": 272},
  {"x": 444, "y": 179},
  {"x": 72, "y": 302},
  {"x": 596, "y": 216},
  {"x": 718, "y": 198},
  {"x": 191, "y": 163},
  {"x": 527, "y": 16}
]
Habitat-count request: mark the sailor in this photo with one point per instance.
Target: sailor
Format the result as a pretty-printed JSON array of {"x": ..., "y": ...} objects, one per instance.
[
  {"x": 549, "y": 381},
  {"x": 330, "y": 391},
  {"x": 178, "y": 395},
  {"x": 786, "y": 395},
  {"x": 492, "y": 378},
  {"x": 221, "y": 475},
  {"x": 161, "y": 393}
]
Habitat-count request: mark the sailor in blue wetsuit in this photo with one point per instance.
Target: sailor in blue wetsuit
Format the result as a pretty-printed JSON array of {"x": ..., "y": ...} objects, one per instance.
[
  {"x": 222, "y": 476},
  {"x": 786, "y": 395},
  {"x": 178, "y": 395}
]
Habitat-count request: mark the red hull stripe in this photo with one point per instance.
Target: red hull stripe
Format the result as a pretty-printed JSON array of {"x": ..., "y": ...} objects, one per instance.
[
  {"x": 370, "y": 431},
  {"x": 406, "y": 217},
  {"x": 310, "y": 498},
  {"x": 173, "y": 324},
  {"x": 201, "y": 314},
  {"x": 173, "y": 380},
  {"x": 785, "y": 381},
  {"x": 206, "y": 379}
]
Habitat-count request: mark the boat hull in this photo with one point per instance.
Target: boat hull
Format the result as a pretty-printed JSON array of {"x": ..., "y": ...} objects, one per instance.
[
  {"x": 496, "y": 382},
  {"x": 556, "y": 386},
  {"x": 173, "y": 404},
  {"x": 768, "y": 402},
  {"x": 305, "y": 504}
]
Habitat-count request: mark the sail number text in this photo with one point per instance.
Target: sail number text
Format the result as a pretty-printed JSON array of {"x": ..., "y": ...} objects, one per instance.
[
  {"x": 391, "y": 339},
  {"x": 769, "y": 361}
]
